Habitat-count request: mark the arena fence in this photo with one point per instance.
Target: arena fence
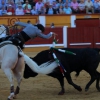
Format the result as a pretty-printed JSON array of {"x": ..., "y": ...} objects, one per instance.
[{"x": 78, "y": 37}]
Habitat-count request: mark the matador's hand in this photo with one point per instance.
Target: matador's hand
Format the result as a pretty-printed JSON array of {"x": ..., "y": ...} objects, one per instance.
[{"x": 54, "y": 34}]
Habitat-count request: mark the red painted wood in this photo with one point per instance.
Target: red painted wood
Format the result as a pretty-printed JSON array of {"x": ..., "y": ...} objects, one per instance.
[
  {"x": 57, "y": 30},
  {"x": 75, "y": 35},
  {"x": 80, "y": 35},
  {"x": 92, "y": 22},
  {"x": 38, "y": 40},
  {"x": 96, "y": 37}
]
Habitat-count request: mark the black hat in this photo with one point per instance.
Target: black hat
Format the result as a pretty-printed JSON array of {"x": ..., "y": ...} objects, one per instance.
[{"x": 41, "y": 27}]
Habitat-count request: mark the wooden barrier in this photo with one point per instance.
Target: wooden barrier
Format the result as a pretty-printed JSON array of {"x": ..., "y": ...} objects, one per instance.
[
  {"x": 38, "y": 40},
  {"x": 81, "y": 37},
  {"x": 92, "y": 22},
  {"x": 83, "y": 16},
  {"x": 10, "y": 20},
  {"x": 76, "y": 37},
  {"x": 58, "y": 30},
  {"x": 58, "y": 20}
]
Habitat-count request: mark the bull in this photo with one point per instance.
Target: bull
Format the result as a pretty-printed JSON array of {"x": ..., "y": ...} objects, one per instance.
[{"x": 85, "y": 59}]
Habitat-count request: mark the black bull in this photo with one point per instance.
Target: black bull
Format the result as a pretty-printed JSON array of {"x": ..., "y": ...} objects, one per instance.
[{"x": 85, "y": 59}]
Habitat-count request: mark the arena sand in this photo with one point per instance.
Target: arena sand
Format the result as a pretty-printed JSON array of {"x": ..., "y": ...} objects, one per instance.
[{"x": 43, "y": 87}]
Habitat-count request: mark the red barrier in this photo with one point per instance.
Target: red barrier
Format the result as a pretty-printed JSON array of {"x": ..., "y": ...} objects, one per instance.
[
  {"x": 96, "y": 38},
  {"x": 81, "y": 37},
  {"x": 57, "y": 30},
  {"x": 92, "y": 22}
]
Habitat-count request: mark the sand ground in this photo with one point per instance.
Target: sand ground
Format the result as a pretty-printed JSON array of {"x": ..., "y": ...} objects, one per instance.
[{"x": 44, "y": 87}]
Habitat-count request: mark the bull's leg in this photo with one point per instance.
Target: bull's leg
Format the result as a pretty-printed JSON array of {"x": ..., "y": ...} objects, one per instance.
[
  {"x": 68, "y": 77},
  {"x": 9, "y": 75},
  {"x": 97, "y": 81},
  {"x": 57, "y": 74},
  {"x": 61, "y": 80},
  {"x": 18, "y": 71},
  {"x": 89, "y": 83},
  {"x": 93, "y": 78}
]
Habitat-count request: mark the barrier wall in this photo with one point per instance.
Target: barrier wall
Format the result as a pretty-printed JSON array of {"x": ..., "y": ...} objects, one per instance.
[
  {"x": 46, "y": 20},
  {"x": 37, "y": 41},
  {"x": 10, "y": 20},
  {"x": 78, "y": 37},
  {"x": 81, "y": 37},
  {"x": 83, "y": 16},
  {"x": 92, "y": 22},
  {"x": 41, "y": 41},
  {"x": 58, "y": 20}
]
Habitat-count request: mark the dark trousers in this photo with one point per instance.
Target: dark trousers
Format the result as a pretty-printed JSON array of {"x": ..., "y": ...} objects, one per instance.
[{"x": 19, "y": 39}]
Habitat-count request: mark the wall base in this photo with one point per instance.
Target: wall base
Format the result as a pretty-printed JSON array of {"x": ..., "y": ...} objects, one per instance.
[{"x": 37, "y": 49}]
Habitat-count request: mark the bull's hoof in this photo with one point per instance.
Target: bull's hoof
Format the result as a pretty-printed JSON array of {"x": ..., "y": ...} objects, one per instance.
[
  {"x": 98, "y": 89},
  {"x": 86, "y": 90},
  {"x": 15, "y": 96},
  {"x": 8, "y": 99},
  {"x": 26, "y": 76},
  {"x": 61, "y": 93},
  {"x": 79, "y": 88}
]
